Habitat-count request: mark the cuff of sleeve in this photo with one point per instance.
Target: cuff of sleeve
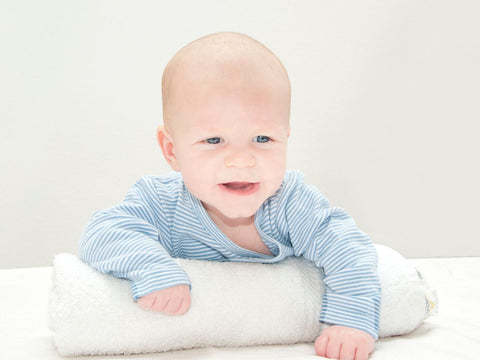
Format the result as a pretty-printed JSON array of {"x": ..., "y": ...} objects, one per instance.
[
  {"x": 362, "y": 313},
  {"x": 154, "y": 281}
]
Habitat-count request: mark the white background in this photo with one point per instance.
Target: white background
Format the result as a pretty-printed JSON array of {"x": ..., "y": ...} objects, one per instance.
[{"x": 385, "y": 111}]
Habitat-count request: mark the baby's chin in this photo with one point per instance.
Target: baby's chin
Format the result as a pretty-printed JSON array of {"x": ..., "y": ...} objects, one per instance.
[
  {"x": 232, "y": 213},
  {"x": 237, "y": 214}
]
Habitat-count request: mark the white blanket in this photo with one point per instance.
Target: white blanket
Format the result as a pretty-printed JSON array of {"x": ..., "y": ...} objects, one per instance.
[{"x": 233, "y": 304}]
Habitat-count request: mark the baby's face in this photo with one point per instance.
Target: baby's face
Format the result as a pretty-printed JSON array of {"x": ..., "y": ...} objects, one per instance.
[{"x": 229, "y": 141}]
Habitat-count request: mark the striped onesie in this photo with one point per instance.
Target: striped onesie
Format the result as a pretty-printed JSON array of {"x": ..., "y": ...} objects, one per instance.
[{"x": 160, "y": 220}]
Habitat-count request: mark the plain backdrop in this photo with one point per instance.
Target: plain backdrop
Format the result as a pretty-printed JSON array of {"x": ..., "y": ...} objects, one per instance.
[{"x": 385, "y": 111}]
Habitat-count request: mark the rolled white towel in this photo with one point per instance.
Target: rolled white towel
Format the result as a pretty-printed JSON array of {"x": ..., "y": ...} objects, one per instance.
[{"x": 233, "y": 304}]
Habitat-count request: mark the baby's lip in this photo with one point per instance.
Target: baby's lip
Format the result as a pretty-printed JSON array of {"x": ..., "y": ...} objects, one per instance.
[
  {"x": 240, "y": 187},
  {"x": 238, "y": 184}
]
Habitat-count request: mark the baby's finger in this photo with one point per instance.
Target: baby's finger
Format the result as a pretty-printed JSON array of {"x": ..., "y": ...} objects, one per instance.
[
  {"x": 347, "y": 352},
  {"x": 160, "y": 303},
  {"x": 362, "y": 353},
  {"x": 173, "y": 305},
  {"x": 184, "y": 306},
  {"x": 145, "y": 303},
  {"x": 321, "y": 346},
  {"x": 333, "y": 348}
]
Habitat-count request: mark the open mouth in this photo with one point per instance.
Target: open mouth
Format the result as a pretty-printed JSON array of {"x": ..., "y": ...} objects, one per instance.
[{"x": 240, "y": 187}]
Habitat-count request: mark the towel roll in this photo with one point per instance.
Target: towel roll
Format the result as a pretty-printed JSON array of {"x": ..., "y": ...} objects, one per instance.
[{"x": 233, "y": 304}]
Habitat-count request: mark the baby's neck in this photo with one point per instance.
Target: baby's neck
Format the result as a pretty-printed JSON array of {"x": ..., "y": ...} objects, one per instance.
[{"x": 241, "y": 231}]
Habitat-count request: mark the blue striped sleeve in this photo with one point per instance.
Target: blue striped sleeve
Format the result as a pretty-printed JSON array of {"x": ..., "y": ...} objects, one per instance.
[
  {"x": 329, "y": 237},
  {"x": 123, "y": 241}
]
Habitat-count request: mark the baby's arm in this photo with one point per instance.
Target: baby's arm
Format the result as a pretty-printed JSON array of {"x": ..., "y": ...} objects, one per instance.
[
  {"x": 329, "y": 237},
  {"x": 171, "y": 301},
  {"x": 340, "y": 342},
  {"x": 124, "y": 241}
]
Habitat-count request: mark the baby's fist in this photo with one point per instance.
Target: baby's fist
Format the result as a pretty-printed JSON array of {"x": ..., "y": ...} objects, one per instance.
[
  {"x": 344, "y": 343},
  {"x": 174, "y": 300}
]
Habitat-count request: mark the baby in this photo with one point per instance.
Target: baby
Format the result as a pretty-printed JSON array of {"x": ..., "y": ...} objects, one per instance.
[{"x": 226, "y": 109}]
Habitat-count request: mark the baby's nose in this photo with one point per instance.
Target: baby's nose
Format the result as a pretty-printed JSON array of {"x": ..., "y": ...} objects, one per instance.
[{"x": 240, "y": 160}]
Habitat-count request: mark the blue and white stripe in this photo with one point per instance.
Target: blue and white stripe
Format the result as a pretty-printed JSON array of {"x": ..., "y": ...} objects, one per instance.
[{"x": 160, "y": 220}]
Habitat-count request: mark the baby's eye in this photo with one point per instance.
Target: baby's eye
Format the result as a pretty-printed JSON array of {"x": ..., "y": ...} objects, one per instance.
[
  {"x": 213, "y": 141},
  {"x": 262, "y": 139}
]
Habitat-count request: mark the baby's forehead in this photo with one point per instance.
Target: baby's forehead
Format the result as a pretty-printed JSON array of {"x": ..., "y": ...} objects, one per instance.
[{"x": 225, "y": 63}]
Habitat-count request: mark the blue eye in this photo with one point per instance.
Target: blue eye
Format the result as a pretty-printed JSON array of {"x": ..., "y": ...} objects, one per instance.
[
  {"x": 214, "y": 140},
  {"x": 262, "y": 139}
]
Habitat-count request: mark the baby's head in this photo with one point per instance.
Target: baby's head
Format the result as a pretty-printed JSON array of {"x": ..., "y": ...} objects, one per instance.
[{"x": 226, "y": 110}]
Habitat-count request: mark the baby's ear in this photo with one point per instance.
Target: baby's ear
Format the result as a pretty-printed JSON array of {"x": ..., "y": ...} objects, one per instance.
[{"x": 166, "y": 144}]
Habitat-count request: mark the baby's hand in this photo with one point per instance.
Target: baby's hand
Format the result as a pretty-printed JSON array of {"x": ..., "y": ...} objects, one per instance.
[
  {"x": 340, "y": 342},
  {"x": 174, "y": 300}
]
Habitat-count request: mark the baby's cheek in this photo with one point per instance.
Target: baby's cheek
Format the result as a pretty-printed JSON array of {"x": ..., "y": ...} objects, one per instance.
[
  {"x": 195, "y": 184},
  {"x": 274, "y": 171}
]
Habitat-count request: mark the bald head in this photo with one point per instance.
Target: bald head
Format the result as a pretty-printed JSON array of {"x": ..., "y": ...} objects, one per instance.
[{"x": 227, "y": 59}]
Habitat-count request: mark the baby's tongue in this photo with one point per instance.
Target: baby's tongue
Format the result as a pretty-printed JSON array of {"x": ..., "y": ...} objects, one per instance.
[{"x": 237, "y": 185}]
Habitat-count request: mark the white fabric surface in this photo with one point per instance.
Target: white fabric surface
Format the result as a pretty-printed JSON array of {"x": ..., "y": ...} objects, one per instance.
[
  {"x": 233, "y": 304},
  {"x": 453, "y": 334}
]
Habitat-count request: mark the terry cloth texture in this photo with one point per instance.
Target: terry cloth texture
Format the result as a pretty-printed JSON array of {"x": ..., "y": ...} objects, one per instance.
[{"x": 233, "y": 304}]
